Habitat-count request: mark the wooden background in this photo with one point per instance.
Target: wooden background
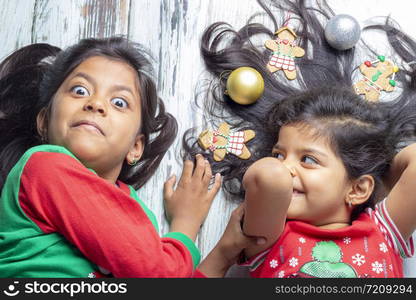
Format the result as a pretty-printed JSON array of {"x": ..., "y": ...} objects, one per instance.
[{"x": 171, "y": 29}]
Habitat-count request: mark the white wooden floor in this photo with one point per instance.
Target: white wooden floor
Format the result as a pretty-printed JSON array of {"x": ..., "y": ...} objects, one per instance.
[{"x": 171, "y": 29}]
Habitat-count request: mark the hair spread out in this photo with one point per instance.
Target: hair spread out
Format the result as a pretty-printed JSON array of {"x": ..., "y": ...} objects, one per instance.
[{"x": 365, "y": 135}]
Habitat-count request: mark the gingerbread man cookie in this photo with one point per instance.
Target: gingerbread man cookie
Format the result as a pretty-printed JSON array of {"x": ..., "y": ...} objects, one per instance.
[
  {"x": 376, "y": 78},
  {"x": 284, "y": 52},
  {"x": 223, "y": 141}
]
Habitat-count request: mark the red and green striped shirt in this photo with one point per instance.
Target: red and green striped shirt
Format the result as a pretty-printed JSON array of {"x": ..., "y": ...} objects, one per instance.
[{"x": 60, "y": 219}]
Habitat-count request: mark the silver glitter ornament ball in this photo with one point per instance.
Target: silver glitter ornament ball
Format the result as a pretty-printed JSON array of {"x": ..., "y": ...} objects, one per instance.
[{"x": 342, "y": 32}]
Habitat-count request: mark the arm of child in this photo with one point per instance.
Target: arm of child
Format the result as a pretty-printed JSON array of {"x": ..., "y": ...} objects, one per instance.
[
  {"x": 268, "y": 185},
  {"x": 107, "y": 226},
  {"x": 228, "y": 249},
  {"x": 401, "y": 200}
]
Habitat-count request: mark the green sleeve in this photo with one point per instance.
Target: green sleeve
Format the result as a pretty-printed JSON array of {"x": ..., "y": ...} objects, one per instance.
[
  {"x": 189, "y": 244},
  {"x": 148, "y": 212}
]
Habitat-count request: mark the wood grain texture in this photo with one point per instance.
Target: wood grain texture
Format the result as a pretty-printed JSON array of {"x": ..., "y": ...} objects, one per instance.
[
  {"x": 171, "y": 30},
  {"x": 15, "y": 34},
  {"x": 63, "y": 23}
]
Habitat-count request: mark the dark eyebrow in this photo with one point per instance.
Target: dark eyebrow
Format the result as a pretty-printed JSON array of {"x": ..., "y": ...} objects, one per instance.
[
  {"x": 312, "y": 150},
  {"x": 308, "y": 150},
  {"x": 85, "y": 76},
  {"x": 118, "y": 87}
]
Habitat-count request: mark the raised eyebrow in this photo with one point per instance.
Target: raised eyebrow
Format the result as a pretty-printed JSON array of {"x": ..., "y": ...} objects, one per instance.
[
  {"x": 119, "y": 87},
  {"x": 85, "y": 76},
  {"x": 90, "y": 79}
]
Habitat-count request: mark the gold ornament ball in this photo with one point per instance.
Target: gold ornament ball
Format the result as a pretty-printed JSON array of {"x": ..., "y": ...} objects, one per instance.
[{"x": 245, "y": 85}]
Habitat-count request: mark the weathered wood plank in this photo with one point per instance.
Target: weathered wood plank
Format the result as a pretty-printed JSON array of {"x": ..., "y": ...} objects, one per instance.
[
  {"x": 105, "y": 18},
  {"x": 145, "y": 28},
  {"x": 145, "y": 25},
  {"x": 15, "y": 34},
  {"x": 63, "y": 23}
]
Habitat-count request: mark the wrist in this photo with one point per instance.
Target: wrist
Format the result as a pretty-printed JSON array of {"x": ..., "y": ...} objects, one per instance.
[
  {"x": 223, "y": 258},
  {"x": 188, "y": 226},
  {"x": 215, "y": 264},
  {"x": 400, "y": 163}
]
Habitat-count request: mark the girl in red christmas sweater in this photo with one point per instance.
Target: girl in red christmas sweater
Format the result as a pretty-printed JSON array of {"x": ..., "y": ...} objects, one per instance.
[
  {"x": 316, "y": 200},
  {"x": 319, "y": 200},
  {"x": 329, "y": 184},
  {"x": 79, "y": 129}
]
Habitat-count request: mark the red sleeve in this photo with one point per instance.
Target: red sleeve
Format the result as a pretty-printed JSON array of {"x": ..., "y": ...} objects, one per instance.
[
  {"x": 108, "y": 226},
  {"x": 198, "y": 274}
]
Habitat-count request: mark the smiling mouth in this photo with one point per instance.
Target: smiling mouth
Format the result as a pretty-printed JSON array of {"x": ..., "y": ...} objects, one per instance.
[
  {"x": 91, "y": 126},
  {"x": 296, "y": 192}
]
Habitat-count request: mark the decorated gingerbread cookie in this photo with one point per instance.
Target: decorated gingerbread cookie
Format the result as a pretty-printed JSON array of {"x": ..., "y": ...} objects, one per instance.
[
  {"x": 378, "y": 76},
  {"x": 284, "y": 52},
  {"x": 224, "y": 141}
]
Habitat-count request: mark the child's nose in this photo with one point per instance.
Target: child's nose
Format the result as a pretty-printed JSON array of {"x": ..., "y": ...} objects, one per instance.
[
  {"x": 95, "y": 105},
  {"x": 291, "y": 167}
]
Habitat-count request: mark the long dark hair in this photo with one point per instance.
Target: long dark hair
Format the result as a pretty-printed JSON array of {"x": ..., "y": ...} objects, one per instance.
[
  {"x": 224, "y": 49},
  {"x": 361, "y": 133},
  {"x": 31, "y": 76}
]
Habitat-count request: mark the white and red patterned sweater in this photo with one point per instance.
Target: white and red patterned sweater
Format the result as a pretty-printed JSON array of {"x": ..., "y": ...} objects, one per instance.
[{"x": 370, "y": 247}]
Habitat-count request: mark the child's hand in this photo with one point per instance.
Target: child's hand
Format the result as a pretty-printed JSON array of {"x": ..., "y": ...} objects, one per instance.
[
  {"x": 188, "y": 205},
  {"x": 230, "y": 246},
  {"x": 233, "y": 240}
]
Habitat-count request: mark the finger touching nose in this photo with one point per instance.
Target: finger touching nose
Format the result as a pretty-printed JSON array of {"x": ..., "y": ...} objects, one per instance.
[{"x": 290, "y": 167}]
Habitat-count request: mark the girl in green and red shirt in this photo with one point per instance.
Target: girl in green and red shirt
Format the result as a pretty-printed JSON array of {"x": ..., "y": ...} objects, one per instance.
[{"x": 80, "y": 129}]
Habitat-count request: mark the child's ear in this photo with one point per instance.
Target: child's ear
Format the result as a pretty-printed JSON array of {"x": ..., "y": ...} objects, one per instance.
[
  {"x": 136, "y": 150},
  {"x": 361, "y": 190},
  {"x": 41, "y": 124}
]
